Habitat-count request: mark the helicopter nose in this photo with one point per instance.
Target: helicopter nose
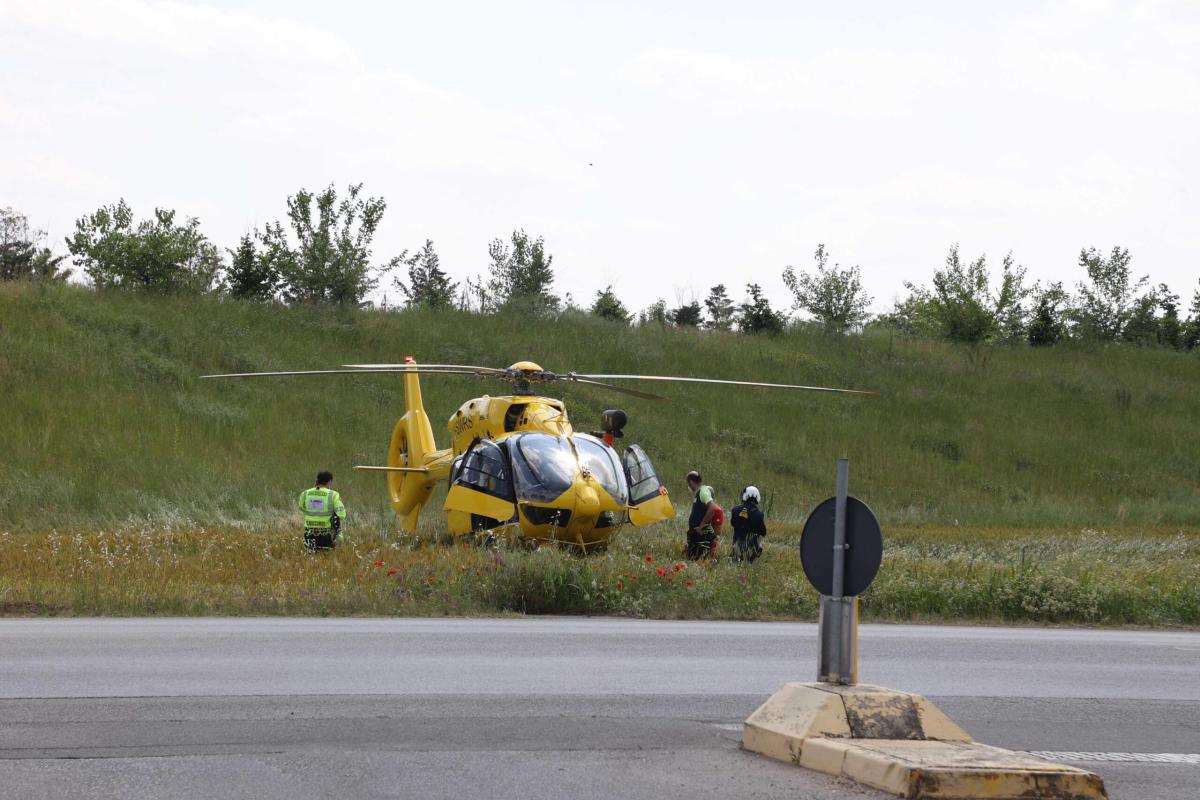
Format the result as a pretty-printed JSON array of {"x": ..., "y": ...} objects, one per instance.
[{"x": 587, "y": 506}]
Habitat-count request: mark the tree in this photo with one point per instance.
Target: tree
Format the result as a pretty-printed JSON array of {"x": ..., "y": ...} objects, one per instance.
[
  {"x": 1046, "y": 326},
  {"x": 913, "y": 315},
  {"x": 154, "y": 255},
  {"x": 1170, "y": 328},
  {"x": 473, "y": 297},
  {"x": 656, "y": 312},
  {"x": 21, "y": 257},
  {"x": 16, "y": 245},
  {"x": 1142, "y": 325},
  {"x": 1008, "y": 304},
  {"x": 1191, "y": 331},
  {"x": 1107, "y": 300},
  {"x": 331, "y": 262},
  {"x": 45, "y": 266},
  {"x": 428, "y": 286},
  {"x": 961, "y": 306},
  {"x": 721, "y": 309},
  {"x": 686, "y": 315},
  {"x": 608, "y": 306},
  {"x": 251, "y": 275},
  {"x": 755, "y": 315},
  {"x": 834, "y": 296},
  {"x": 521, "y": 275}
]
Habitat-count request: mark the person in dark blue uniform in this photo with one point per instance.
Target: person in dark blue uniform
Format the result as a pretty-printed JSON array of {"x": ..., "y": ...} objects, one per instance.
[{"x": 749, "y": 525}]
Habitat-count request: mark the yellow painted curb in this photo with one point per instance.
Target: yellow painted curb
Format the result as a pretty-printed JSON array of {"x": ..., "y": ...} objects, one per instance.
[
  {"x": 796, "y": 712},
  {"x": 801, "y": 711},
  {"x": 901, "y": 743},
  {"x": 950, "y": 770}
]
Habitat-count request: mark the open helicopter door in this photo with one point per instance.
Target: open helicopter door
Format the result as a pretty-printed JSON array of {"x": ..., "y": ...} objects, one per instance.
[
  {"x": 482, "y": 485},
  {"x": 648, "y": 501}
]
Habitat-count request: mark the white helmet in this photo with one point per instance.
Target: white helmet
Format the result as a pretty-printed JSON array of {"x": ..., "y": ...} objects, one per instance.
[{"x": 751, "y": 493}]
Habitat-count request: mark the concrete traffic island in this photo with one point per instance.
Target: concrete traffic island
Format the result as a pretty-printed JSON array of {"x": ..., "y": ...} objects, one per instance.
[{"x": 903, "y": 744}]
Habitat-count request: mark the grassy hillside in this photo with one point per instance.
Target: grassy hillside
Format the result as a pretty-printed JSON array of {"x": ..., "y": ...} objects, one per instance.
[{"x": 104, "y": 419}]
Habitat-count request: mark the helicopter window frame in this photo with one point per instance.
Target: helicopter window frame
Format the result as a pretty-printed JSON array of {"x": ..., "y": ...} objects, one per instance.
[
  {"x": 644, "y": 483},
  {"x": 485, "y": 467},
  {"x": 533, "y": 464},
  {"x": 590, "y": 451}
]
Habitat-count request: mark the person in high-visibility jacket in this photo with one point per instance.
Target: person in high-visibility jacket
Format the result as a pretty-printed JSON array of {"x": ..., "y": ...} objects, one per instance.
[{"x": 323, "y": 514}]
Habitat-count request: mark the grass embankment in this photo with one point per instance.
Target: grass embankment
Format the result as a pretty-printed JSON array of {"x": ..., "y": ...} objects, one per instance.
[
  {"x": 1147, "y": 577},
  {"x": 104, "y": 418},
  {"x": 988, "y": 469}
]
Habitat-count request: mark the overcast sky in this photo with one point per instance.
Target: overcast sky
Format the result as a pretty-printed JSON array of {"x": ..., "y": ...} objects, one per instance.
[{"x": 662, "y": 147}]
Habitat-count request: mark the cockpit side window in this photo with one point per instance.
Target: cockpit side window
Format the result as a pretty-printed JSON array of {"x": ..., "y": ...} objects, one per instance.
[
  {"x": 485, "y": 468},
  {"x": 644, "y": 482},
  {"x": 602, "y": 463}
]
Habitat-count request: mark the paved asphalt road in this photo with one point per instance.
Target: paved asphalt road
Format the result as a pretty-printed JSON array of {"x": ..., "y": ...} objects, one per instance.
[{"x": 538, "y": 708}]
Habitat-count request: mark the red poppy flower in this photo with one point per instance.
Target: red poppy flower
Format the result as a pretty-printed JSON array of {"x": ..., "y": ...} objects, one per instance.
[
  {"x": 680, "y": 566},
  {"x": 620, "y": 585},
  {"x": 687, "y": 584},
  {"x": 660, "y": 571},
  {"x": 650, "y": 559},
  {"x": 635, "y": 577},
  {"x": 379, "y": 563},
  {"x": 391, "y": 572}
]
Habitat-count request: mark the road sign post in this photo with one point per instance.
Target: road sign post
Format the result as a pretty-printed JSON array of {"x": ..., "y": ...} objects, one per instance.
[
  {"x": 841, "y": 550},
  {"x": 837, "y": 651},
  {"x": 886, "y": 739}
]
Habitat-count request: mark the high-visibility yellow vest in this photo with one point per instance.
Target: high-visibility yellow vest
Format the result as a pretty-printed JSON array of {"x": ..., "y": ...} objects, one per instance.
[{"x": 318, "y": 505}]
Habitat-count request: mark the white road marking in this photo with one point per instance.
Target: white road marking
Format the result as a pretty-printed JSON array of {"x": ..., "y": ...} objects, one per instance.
[
  {"x": 724, "y": 727},
  {"x": 1154, "y": 758}
]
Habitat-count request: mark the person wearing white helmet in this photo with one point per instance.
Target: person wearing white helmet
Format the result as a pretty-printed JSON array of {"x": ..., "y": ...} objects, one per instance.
[{"x": 749, "y": 525}]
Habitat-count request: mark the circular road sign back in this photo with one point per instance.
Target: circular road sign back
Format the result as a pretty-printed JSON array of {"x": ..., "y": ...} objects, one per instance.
[{"x": 865, "y": 552}]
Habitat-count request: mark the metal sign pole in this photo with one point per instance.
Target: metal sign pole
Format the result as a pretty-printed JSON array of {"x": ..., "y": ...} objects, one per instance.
[{"x": 837, "y": 655}]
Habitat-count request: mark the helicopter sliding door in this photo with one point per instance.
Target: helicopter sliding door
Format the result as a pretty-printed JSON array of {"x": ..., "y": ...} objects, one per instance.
[
  {"x": 483, "y": 484},
  {"x": 648, "y": 501}
]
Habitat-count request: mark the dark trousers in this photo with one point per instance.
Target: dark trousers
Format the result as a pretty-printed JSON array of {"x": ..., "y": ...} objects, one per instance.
[
  {"x": 746, "y": 547},
  {"x": 701, "y": 542},
  {"x": 323, "y": 538}
]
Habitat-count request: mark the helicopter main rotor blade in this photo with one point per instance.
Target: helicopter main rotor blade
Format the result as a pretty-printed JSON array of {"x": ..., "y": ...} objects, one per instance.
[
  {"x": 621, "y": 389},
  {"x": 463, "y": 368},
  {"x": 410, "y": 368},
  {"x": 721, "y": 382}
]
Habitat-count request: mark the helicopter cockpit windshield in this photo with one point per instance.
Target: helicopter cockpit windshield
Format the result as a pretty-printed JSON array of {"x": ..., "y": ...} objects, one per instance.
[
  {"x": 544, "y": 466},
  {"x": 602, "y": 463}
]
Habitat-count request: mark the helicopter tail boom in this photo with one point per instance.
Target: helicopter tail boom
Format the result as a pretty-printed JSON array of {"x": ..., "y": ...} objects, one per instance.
[{"x": 415, "y": 464}]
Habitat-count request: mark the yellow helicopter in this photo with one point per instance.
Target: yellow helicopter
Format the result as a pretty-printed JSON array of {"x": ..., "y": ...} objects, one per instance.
[{"x": 515, "y": 464}]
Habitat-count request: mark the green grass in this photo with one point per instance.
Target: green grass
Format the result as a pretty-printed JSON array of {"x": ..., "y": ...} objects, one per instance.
[
  {"x": 1144, "y": 577},
  {"x": 1014, "y": 485},
  {"x": 105, "y": 420}
]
